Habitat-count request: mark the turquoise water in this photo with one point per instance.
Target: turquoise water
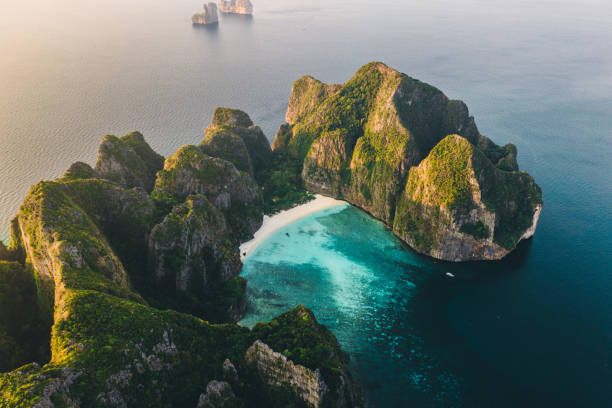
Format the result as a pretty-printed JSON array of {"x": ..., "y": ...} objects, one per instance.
[
  {"x": 492, "y": 336},
  {"x": 361, "y": 283}
]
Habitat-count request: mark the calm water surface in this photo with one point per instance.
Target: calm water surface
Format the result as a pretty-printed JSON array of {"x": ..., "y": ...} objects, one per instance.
[{"x": 534, "y": 330}]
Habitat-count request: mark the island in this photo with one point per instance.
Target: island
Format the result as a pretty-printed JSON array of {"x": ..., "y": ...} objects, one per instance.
[
  {"x": 403, "y": 152},
  {"x": 208, "y": 16},
  {"x": 125, "y": 280},
  {"x": 236, "y": 7},
  {"x": 120, "y": 284}
]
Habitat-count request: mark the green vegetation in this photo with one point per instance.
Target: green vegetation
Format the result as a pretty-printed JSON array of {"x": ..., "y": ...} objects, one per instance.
[
  {"x": 346, "y": 109},
  {"x": 228, "y": 146},
  {"x": 24, "y": 332},
  {"x": 445, "y": 181},
  {"x": 79, "y": 170},
  {"x": 478, "y": 230},
  {"x": 231, "y": 117},
  {"x": 282, "y": 184},
  {"x": 128, "y": 161},
  {"x": 299, "y": 336}
]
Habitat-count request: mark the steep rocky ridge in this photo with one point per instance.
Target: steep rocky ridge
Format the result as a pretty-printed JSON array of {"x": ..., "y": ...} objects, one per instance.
[
  {"x": 235, "y": 193},
  {"x": 358, "y": 142},
  {"x": 457, "y": 206},
  {"x": 129, "y": 161},
  {"x": 233, "y": 136},
  {"x": 80, "y": 237}
]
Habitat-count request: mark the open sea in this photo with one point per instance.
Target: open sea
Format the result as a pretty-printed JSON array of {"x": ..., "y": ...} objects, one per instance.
[{"x": 534, "y": 330}]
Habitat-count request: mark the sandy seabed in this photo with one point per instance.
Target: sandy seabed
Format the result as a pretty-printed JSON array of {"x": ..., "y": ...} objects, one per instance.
[{"x": 284, "y": 218}]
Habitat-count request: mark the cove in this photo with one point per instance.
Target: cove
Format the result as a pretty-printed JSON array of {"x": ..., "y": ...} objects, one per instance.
[
  {"x": 416, "y": 336},
  {"x": 361, "y": 283}
]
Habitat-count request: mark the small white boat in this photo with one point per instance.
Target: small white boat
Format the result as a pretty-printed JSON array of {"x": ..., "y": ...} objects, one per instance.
[{"x": 450, "y": 275}]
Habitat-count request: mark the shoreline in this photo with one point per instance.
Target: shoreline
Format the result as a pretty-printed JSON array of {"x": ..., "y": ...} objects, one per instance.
[{"x": 273, "y": 223}]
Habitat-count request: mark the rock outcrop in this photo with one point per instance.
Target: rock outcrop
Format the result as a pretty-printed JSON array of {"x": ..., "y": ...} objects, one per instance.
[
  {"x": 277, "y": 371},
  {"x": 236, "y": 6},
  {"x": 235, "y": 193},
  {"x": 457, "y": 206},
  {"x": 359, "y": 141},
  {"x": 315, "y": 382},
  {"x": 233, "y": 136},
  {"x": 80, "y": 170},
  {"x": 192, "y": 247},
  {"x": 208, "y": 16},
  {"x": 128, "y": 161},
  {"x": 218, "y": 394},
  {"x": 79, "y": 242}
]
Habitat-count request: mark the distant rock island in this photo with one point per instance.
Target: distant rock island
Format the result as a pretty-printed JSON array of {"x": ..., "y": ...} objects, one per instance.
[
  {"x": 402, "y": 151},
  {"x": 208, "y": 16},
  {"x": 236, "y": 7}
]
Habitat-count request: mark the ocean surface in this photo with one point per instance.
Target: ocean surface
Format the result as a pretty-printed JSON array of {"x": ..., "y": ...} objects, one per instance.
[{"x": 534, "y": 330}]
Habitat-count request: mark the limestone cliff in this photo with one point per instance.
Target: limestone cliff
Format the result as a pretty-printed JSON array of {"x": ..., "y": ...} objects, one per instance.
[
  {"x": 236, "y": 6},
  {"x": 79, "y": 242},
  {"x": 235, "y": 193},
  {"x": 319, "y": 379},
  {"x": 457, "y": 206},
  {"x": 128, "y": 161},
  {"x": 208, "y": 16},
  {"x": 233, "y": 136},
  {"x": 358, "y": 142},
  {"x": 277, "y": 371}
]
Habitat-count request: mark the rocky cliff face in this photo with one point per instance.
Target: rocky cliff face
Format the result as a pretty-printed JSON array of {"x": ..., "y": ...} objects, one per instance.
[
  {"x": 82, "y": 239},
  {"x": 128, "y": 161},
  {"x": 359, "y": 141},
  {"x": 277, "y": 371},
  {"x": 317, "y": 379},
  {"x": 208, "y": 16},
  {"x": 457, "y": 206},
  {"x": 236, "y": 6},
  {"x": 233, "y": 136},
  {"x": 235, "y": 193},
  {"x": 192, "y": 247}
]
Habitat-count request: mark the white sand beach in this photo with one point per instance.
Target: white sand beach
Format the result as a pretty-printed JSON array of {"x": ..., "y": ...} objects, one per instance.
[{"x": 283, "y": 218}]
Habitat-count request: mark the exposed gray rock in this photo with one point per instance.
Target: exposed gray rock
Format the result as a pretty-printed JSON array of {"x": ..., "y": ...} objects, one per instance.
[
  {"x": 227, "y": 145},
  {"x": 219, "y": 394},
  {"x": 235, "y": 193},
  {"x": 277, "y": 371},
  {"x": 191, "y": 243},
  {"x": 231, "y": 134},
  {"x": 236, "y": 6},
  {"x": 229, "y": 371},
  {"x": 128, "y": 161},
  {"x": 208, "y": 16}
]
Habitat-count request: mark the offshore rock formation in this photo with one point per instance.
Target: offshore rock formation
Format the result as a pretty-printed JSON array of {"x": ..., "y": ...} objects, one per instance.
[
  {"x": 208, "y": 16},
  {"x": 363, "y": 140},
  {"x": 236, "y": 6},
  {"x": 85, "y": 257}
]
